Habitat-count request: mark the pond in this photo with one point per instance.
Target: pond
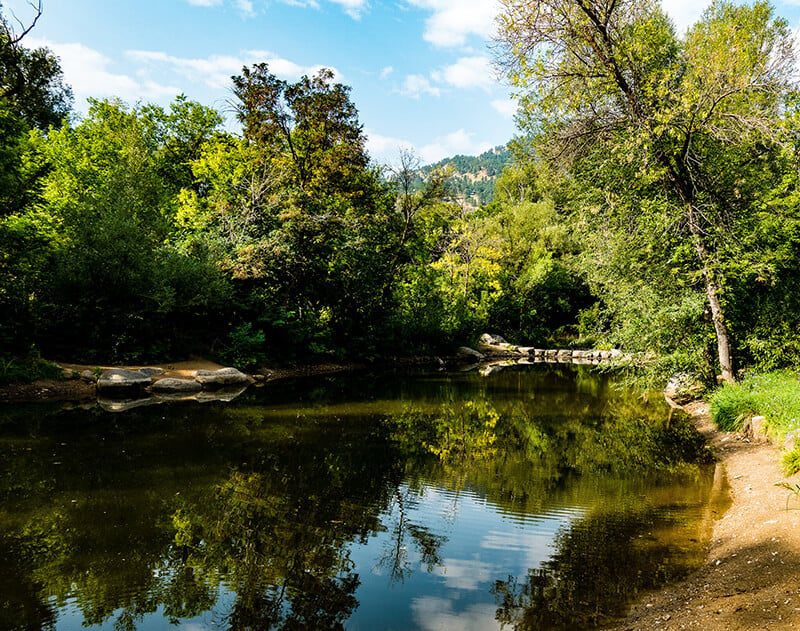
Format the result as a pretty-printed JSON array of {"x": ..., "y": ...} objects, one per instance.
[{"x": 538, "y": 497}]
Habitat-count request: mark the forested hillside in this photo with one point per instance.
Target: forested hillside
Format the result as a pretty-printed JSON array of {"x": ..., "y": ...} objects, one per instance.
[
  {"x": 472, "y": 178},
  {"x": 651, "y": 204}
]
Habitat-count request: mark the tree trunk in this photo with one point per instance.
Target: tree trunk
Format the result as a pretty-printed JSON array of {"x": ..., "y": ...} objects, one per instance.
[
  {"x": 724, "y": 354},
  {"x": 721, "y": 329}
]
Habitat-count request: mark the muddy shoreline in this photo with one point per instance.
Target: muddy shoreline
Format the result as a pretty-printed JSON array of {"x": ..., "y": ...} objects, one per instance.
[{"x": 749, "y": 579}]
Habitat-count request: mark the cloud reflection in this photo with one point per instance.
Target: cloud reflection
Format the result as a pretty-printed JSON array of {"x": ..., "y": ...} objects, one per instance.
[{"x": 437, "y": 614}]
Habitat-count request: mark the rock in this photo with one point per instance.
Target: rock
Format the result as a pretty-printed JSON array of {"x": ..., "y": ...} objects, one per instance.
[
  {"x": 152, "y": 372},
  {"x": 176, "y": 385},
  {"x": 492, "y": 340},
  {"x": 683, "y": 387},
  {"x": 122, "y": 381},
  {"x": 469, "y": 354},
  {"x": 220, "y": 378},
  {"x": 68, "y": 373},
  {"x": 758, "y": 426},
  {"x": 88, "y": 376},
  {"x": 792, "y": 440}
]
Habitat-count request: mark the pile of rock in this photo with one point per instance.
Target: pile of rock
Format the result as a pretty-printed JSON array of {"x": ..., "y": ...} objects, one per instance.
[
  {"x": 121, "y": 382},
  {"x": 493, "y": 347}
]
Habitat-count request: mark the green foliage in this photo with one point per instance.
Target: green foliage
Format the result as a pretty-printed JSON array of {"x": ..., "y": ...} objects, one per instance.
[
  {"x": 677, "y": 137},
  {"x": 115, "y": 289},
  {"x": 775, "y": 395},
  {"x": 27, "y": 369},
  {"x": 790, "y": 463},
  {"x": 244, "y": 348},
  {"x": 31, "y": 80}
]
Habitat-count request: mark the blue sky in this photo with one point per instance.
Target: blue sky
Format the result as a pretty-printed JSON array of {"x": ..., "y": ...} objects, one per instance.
[{"x": 420, "y": 70}]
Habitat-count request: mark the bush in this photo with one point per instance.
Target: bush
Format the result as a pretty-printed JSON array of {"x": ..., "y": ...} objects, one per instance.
[{"x": 27, "y": 369}]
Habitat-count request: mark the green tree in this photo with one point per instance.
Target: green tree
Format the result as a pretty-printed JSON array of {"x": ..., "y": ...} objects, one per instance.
[
  {"x": 118, "y": 287},
  {"x": 611, "y": 87},
  {"x": 30, "y": 79},
  {"x": 305, "y": 221}
]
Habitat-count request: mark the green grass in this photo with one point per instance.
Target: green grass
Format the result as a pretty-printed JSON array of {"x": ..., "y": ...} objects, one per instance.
[
  {"x": 27, "y": 369},
  {"x": 773, "y": 395}
]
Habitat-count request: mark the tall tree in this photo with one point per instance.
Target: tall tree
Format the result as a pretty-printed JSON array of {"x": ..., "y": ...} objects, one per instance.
[
  {"x": 31, "y": 79},
  {"x": 610, "y": 80}
]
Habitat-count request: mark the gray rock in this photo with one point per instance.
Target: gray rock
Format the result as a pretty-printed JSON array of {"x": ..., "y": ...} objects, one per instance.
[
  {"x": 152, "y": 372},
  {"x": 120, "y": 380},
  {"x": 469, "y": 354},
  {"x": 176, "y": 385},
  {"x": 683, "y": 387},
  {"x": 88, "y": 375},
  {"x": 220, "y": 378},
  {"x": 792, "y": 440},
  {"x": 492, "y": 340}
]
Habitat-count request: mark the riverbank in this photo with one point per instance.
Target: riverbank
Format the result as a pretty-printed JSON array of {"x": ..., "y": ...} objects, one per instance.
[{"x": 749, "y": 579}]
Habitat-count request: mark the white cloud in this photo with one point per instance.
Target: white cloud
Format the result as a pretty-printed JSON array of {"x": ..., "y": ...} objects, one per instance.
[
  {"x": 245, "y": 6},
  {"x": 465, "y": 574},
  {"x": 386, "y": 72},
  {"x": 507, "y": 108},
  {"x": 437, "y": 614},
  {"x": 458, "y": 142},
  {"x": 470, "y": 72},
  {"x": 455, "y": 20},
  {"x": 216, "y": 71},
  {"x": 88, "y": 72},
  {"x": 416, "y": 85},
  {"x": 353, "y": 8},
  {"x": 385, "y": 149},
  {"x": 684, "y": 13}
]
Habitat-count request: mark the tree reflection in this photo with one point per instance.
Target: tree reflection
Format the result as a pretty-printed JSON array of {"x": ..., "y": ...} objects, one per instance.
[
  {"x": 252, "y": 514},
  {"x": 405, "y": 533},
  {"x": 601, "y": 563}
]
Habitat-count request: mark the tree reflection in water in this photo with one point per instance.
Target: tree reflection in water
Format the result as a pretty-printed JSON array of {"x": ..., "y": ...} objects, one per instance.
[{"x": 251, "y": 515}]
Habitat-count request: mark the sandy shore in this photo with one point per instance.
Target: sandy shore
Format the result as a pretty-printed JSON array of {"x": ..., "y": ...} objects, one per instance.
[{"x": 751, "y": 578}]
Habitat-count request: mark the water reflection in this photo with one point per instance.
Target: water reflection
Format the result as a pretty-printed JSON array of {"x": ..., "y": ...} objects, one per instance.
[{"x": 530, "y": 499}]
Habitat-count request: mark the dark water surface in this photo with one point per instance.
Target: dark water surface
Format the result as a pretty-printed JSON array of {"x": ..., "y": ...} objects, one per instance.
[{"x": 532, "y": 498}]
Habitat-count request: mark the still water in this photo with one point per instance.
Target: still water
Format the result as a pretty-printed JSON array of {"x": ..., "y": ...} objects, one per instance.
[{"x": 533, "y": 498}]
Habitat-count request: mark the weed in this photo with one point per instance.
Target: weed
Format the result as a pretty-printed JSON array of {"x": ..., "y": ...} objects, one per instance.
[{"x": 794, "y": 490}]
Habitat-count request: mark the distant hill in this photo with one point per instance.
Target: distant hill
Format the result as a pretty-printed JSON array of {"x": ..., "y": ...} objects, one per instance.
[{"x": 474, "y": 177}]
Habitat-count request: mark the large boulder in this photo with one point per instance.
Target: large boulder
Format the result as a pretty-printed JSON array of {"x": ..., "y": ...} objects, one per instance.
[
  {"x": 120, "y": 381},
  {"x": 220, "y": 378},
  {"x": 170, "y": 385},
  {"x": 465, "y": 353},
  {"x": 684, "y": 387},
  {"x": 488, "y": 339}
]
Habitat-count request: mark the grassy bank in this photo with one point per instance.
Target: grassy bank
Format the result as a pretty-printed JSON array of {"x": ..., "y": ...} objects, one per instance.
[{"x": 774, "y": 396}]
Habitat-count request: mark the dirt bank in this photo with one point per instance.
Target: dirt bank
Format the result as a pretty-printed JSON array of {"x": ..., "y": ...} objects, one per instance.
[{"x": 751, "y": 578}]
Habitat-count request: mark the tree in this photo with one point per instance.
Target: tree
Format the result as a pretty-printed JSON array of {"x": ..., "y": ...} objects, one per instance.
[
  {"x": 31, "y": 80},
  {"x": 610, "y": 84},
  {"x": 117, "y": 286},
  {"x": 304, "y": 218}
]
